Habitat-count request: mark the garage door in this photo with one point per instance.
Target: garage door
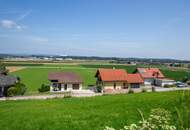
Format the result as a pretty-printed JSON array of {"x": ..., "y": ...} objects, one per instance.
[
  {"x": 75, "y": 86},
  {"x": 135, "y": 86}
]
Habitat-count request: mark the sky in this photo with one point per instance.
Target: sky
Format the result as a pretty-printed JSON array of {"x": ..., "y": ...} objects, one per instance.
[{"x": 107, "y": 28}]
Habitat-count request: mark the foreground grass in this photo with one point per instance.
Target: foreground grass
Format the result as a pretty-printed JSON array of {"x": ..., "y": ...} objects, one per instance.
[{"x": 83, "y": 113}]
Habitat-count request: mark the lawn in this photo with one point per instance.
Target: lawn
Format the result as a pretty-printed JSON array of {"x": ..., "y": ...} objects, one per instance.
[
  {"x": 83, "y": 113},
  {"x": 34, "y": 76}
]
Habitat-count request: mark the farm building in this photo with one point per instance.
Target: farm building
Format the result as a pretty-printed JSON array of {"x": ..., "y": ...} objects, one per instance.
[
  {"x": 64, "y": 81},
  {"x": 117, "y": 79},
  {"x": 153, "y": 76},
  {"x": 5, "y": 82}
]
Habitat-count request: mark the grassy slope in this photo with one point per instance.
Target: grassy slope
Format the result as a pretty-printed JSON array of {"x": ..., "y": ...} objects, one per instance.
[{"x": 82, "y": 113}]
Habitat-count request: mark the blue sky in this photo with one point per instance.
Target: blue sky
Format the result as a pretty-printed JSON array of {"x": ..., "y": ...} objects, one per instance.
[{"x": 119, "y": 28}]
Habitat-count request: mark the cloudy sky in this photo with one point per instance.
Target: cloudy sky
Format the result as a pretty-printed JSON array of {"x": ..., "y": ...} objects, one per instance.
[{"x": 119, "y": 28}]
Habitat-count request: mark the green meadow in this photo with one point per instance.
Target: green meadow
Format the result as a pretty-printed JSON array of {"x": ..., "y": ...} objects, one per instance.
[
  {"x": 92, "y": 113},
  {"x": 35, "y": 75}
]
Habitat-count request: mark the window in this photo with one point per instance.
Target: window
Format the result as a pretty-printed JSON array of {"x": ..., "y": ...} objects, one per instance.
[{"x": 75, "y": 86}]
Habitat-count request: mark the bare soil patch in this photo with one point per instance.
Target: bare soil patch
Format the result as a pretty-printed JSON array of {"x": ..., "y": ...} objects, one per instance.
[{"x": 15, "y": 68}]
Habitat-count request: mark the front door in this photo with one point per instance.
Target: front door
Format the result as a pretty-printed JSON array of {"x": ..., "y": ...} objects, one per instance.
[{"x": 65, "y": 86}]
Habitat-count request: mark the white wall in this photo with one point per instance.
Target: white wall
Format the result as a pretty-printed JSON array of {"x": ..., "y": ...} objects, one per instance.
[{"x": 149, "y": 81}]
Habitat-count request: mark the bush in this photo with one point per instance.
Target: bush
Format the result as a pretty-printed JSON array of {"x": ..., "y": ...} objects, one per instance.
[
  {"x": 144, "y": 90},
  {"x": 44, "y": 88},
  {"x": 17, "y": 89},
  {"x": 130, "y": 91},
  {"x": 169, "y": 86},
  {"x": 188, "y": 82}
]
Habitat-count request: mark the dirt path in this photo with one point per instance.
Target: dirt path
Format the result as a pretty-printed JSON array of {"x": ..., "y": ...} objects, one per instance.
[{"x": 14, "y": 68}]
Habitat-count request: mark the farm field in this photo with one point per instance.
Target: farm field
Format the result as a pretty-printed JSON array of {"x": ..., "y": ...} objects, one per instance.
[
  {"x": 36, "y": 74},
  {"x": 85, "y": 113}
]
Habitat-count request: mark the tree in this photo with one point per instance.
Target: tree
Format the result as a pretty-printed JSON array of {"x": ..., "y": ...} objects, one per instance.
[{"x": 3, "y": 69}]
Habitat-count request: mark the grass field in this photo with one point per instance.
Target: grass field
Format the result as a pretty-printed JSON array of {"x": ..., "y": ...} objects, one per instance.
[
  {"x": 84, "y": 113},
  {"x": 34, "y": 76}
]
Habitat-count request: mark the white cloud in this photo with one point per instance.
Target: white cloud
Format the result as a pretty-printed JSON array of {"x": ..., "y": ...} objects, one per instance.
[{"x": 10, "y": 24}]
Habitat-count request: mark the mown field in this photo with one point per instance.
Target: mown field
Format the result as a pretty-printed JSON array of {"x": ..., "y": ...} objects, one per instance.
[
  {"x": 35, "y": 75},
  {"x": 92, "y": 113}
]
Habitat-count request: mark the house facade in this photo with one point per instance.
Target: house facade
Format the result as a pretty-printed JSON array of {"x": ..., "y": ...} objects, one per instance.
[
  {"x": 64, "y": 81},
  {"x": 117, "y": 79}
]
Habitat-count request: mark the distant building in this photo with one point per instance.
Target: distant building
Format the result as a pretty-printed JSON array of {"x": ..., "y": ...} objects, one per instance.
[{"x": 64, "y": 81}]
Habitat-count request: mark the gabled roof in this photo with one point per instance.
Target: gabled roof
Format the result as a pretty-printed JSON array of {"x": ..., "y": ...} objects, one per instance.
[
  {"x": 112, "y": 74},
  {"x": 65, "y": 77},
  {"x": 7, "y": 80},
  {"x": 150, "y": 73},
  {"x": 134, "y": 78}
]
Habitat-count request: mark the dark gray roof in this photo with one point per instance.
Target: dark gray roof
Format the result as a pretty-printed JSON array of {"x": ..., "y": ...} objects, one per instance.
[{"x": 7, "y": 80}]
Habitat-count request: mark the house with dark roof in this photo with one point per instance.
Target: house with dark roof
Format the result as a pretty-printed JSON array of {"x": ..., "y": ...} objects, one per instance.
[
  {"x": 5, "y": 82},
  {"x": 153, "y": 76},
  {"x": 65, "y": 81},
  {"x": 117, "y": 79}
]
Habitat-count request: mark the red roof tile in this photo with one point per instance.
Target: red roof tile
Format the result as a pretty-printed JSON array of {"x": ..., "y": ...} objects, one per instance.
[
  {"x": 150, "y": 73},
  {"x": 118, "y": 75},
  {"x": 112, "y": 74},
  {"x": 134, "y": 78}
]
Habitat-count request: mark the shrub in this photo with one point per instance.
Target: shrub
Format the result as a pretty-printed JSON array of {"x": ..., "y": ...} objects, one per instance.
[
  {"x": 169, "y": 86},
  {"x": 17, "y": 89},
  {"x": 130, "y": 91},
  {"x": 44, "y": 88},
  {"x": 11, "y": 91},
  {"x": 144, "y": 90},
  {"x": 188, "y": 82}
]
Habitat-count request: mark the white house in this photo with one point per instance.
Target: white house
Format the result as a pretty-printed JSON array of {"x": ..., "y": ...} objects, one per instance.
[{"x": 64, "y": 81}]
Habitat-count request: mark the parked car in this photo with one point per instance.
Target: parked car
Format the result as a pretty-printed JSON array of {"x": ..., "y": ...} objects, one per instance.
[{"x": 181, "y": 84}]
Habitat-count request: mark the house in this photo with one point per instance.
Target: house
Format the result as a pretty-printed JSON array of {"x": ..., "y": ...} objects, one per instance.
[
  {"x": 64, "y": 81},
  {"x": 149, "y": 75},
  {"x": 117, "y": 79},
  {"x": 153, "y": 76},
  {"x": 163, "y": 82},
  {"x": 5, "y": 82}
]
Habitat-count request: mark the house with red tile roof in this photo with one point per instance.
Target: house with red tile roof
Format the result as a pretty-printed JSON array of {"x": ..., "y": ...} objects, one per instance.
[
  {"x": 153, "y": 76},
  {"x": 64, "y": 81},
  {"x": 149, "y": 75},
  {"x": 117, "y": 79}
]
